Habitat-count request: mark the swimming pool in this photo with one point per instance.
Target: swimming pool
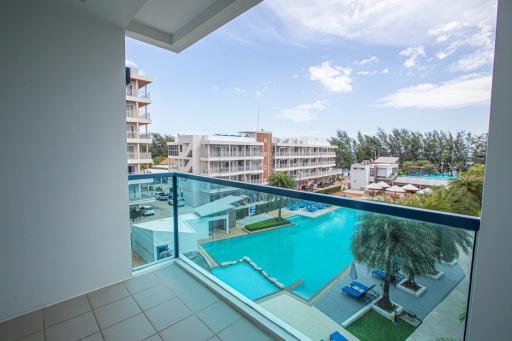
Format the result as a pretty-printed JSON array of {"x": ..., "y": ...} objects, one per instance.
[
  {"x": 314, "y": 250},
  {"x": 431, "y": 176},
  {"x": 245, "y": 279}
]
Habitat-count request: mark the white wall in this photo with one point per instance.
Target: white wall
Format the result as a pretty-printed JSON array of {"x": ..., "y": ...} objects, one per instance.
[
  {"x": 63, "y": 175},
  {"x": 492, "y": 276},
  {"x": 359, "y": 177}
]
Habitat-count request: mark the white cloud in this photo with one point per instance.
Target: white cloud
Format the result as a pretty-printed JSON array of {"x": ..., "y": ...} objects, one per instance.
[
  {"x": 368, "y": 60},
  {"x": 386, "y": 22},
  {"x": 475, "y": 37},
  {"x": 130, "y": 63},
  {"x": 239, "y": 90},
  {"x": 473, "y": 61},
  {"x": 385, "y": 71},
  {"x": 367, "y": 73},
  {"x": 333, "y": 78},
  {"x": 457, "y": 93},
  {"x": 303, "y": 112},
  {"x": 412, "y": 54},
  {"x": 295, "y": 76}
]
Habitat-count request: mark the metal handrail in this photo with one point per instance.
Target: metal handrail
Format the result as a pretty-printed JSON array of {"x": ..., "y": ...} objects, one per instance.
[{"x": 444, "y": 218}]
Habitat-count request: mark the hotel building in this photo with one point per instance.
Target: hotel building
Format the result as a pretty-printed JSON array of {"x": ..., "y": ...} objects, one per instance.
[
  {"x": 253, "y": 155},
  {"x": 137, "y": 120},
  {"x": 232, "y": 157},
  {"x": 382, "y": 169},
  {"x": 308, "y": 160}
]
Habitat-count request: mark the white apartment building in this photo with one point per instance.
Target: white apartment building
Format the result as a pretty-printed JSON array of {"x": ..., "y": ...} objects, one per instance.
[
  {"x": 137, "y": 120},
  {"x": 367, "y": 172},
  {"x": 308, "y": 160},
  {"x": 251, "y": 156},
  {"x": 232, "y": 157}
]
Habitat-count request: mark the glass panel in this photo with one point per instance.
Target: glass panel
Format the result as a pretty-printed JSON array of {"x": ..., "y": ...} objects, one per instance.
[
  {"x": 151, "y": 220},
  {"x": 323, "y": 268}
]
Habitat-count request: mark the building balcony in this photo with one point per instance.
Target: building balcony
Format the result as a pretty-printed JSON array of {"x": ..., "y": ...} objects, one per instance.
[
  {"x": 231, "y": 156},
  {"x": 142, "y": 117},
  {"x": 306, "y": 277},
  {"x": 135, "y": 137},
  {"x": 295, "y": 155},
  {"x": 142, "y": 157}
]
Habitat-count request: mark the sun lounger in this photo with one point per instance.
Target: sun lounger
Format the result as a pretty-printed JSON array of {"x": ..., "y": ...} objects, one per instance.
[
  {"x": 292, "y": 207},
  {"x": 356, "y": 289},
  {"x": 336, "y": 336},
  {"x": 379, "y": 273},
  {"x": 312, "y": 208}
]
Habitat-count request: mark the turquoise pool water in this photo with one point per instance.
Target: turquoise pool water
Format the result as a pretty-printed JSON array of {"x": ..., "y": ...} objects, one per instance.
[
  {"x": 431, "y": 176},
  {"x": 245, "y": 279},
  {"x": 314, "y": 250}
]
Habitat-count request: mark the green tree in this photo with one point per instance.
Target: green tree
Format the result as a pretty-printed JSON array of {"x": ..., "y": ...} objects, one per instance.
[
  {"x": 282, "y": 180},
  {"x": 389, "y": 243},
  {"x": 345, "y": 152},
  {"x": 158, "y": 146}
]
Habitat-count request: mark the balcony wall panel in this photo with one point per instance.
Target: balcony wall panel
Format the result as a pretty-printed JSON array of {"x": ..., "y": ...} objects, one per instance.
[{"x": 64, "y": 223}]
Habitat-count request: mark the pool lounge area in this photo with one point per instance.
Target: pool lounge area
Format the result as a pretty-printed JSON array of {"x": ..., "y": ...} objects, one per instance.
[{"x": 312, "y": 250}]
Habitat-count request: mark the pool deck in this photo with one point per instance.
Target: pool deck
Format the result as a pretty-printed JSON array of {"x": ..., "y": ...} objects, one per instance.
[
  {"x": 306, "y": 318},
  {"x": 340, "y": 307}
]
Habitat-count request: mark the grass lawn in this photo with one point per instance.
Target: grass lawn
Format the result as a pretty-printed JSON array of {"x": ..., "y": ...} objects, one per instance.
[
  {"x": 372, "y": 326},
  {"x": 265, "y": 224}
]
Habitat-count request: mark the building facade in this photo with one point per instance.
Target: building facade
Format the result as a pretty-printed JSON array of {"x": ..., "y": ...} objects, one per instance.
[
  {"x": 367, "y": 172},
  {"x": 232, "y": 157},
  {"x": 253, "y": 155},
  {"x": 138, "y": 119},
  {"x": 309, "y": 161}
]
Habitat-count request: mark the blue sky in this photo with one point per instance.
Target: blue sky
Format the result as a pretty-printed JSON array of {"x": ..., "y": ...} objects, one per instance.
[{"x": 315, "y": 66}]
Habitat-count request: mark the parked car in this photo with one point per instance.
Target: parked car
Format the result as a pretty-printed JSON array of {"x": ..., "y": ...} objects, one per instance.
[
  {"x": 181, "y": 201},
  {"x": 161, "y": 196},
  {"x": 147, "y": 210}
]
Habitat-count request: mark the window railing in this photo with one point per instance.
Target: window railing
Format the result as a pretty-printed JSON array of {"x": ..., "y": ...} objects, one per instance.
[{"x": 359, "y": 263}]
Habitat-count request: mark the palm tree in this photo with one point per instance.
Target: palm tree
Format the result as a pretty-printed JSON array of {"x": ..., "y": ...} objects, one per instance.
[
  {"x": 391, "y": 243},
  {"x": 447, "y": 240},
  {"x": 282, "y": 180}
]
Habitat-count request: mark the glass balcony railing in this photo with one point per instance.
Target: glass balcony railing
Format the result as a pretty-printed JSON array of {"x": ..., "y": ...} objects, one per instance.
[{"x": 370, "y": 271}]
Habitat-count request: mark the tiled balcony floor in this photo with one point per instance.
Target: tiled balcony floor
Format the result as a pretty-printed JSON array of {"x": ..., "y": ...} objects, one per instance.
[{"x": 165, "y": 304}]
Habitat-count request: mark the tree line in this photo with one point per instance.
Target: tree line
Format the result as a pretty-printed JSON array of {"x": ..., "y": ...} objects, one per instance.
[{"x": 446, "y": 151}]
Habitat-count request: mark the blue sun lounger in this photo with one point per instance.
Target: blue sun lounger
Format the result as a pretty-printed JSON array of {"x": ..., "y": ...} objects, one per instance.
[
  {"x": 336, "y": 336},
  {"x": 379, "y": 273},
  {"x": 356, "y": 289}
]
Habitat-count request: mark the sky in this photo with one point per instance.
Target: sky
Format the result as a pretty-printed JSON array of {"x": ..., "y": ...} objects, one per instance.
[{"x": 311, "y": 67}]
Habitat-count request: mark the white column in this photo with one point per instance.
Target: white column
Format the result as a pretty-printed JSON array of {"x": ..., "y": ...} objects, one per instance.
[{"x": 491, "y": 299}]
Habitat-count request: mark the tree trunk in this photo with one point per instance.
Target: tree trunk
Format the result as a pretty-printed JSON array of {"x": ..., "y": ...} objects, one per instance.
[
  {"x": 279, "y": 212},
  {"x": 386, "y": 302}
]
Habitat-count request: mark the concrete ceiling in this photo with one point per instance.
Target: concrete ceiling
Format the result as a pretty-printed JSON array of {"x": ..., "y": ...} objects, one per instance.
[
  {"x": 171, "y": 24},
  {"x": 177, "y": 24}
]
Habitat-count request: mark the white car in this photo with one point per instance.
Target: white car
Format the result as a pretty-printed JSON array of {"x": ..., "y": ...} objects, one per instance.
[{"x": 147, "y": 210}]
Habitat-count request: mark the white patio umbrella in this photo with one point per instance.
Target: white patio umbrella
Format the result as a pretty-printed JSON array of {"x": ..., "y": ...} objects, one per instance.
[
  {"x": 383, "y": 184},
  {"x": 424, "y": 191},
  {"x": 395, "y": 189},
  {"x": 375, "y": 187},
  {"x": 411, "y": 188},
  {"x": 353, "y": 271}
]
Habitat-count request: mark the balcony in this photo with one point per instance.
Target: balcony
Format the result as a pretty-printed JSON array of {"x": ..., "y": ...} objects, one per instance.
[
  {"x": 135, "y": 137},
  {"x": 297, "y": 272},
  {"x": 141, "y": 157},
  {"x": 138, "y": 96},
  {"x": 170, "y": 304},
  {"x": 232, "y": 169},
  {"x": 141, "y": 117},
  {"x": 233, "y": 155}
]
